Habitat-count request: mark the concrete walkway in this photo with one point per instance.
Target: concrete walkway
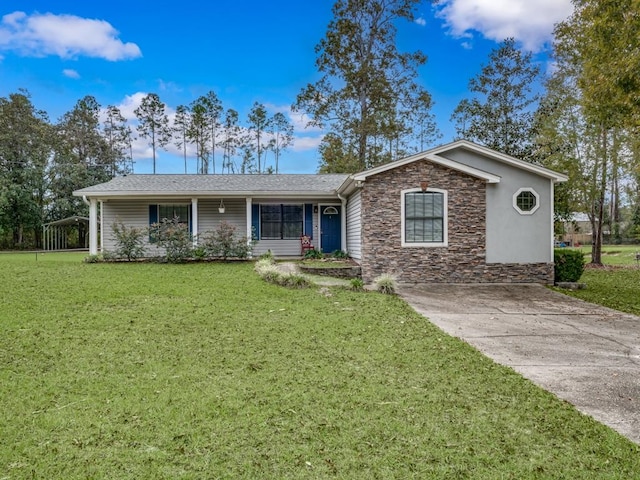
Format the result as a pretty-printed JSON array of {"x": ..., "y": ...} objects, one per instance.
[{"x": 585, "y": 354}]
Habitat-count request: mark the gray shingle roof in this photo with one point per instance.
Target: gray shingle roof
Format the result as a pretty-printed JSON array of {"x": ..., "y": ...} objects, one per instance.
[{"x": 291, "y": 184}]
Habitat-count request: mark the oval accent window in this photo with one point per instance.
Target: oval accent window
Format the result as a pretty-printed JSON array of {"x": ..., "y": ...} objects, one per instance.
[{"x": 330, "y": 211}]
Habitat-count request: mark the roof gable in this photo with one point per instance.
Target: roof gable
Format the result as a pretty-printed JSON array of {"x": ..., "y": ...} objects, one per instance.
[{"x": 435, "y": 155}]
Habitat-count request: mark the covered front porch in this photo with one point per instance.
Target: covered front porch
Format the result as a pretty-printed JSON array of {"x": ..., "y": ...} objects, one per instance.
[{"x": 275, "y": 223}]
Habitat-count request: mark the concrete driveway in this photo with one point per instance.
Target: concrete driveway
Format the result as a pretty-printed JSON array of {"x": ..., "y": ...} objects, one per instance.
[{"x": 585, "y": 354}]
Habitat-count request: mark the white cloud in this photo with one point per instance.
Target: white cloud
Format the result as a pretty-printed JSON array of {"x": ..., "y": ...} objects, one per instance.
[
  {"x": 421, "y": 21},
  {"x": 302, "y": 144},
  {"x": 300, "y": 121},
  {"x": 129, "y": 104},
  {"x": 140, "y": 146},
  {"x": 66, "y": 36},
  {"x": 69, "y": 73},
  {"x": 529, "y": 22}
]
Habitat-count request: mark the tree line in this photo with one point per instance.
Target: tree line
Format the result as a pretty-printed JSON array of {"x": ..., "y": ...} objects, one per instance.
[{"x": 208, "y": 127}]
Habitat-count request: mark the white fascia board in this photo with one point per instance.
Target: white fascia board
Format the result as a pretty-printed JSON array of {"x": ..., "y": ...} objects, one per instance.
[
  {"x": 474, "y": 172},
  {"x": 502, "y": 157},
  {"x": 361, "y": 176},
  {"x": 348, "y": 186},
  {"x": 445, "y": 162},
  {"x": 195, "y": 194}
]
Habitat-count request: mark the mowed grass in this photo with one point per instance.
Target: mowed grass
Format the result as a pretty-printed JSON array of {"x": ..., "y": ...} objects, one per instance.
[
  {"x": 617, "y": 284},
  {"x": 617, "y": 288},
  {"x": 615, "y": 254},
  {"x": 205, "y": 371}
]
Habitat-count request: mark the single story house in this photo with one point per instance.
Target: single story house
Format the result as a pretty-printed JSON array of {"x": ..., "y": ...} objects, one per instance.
[{"x": 460, "y": 212}]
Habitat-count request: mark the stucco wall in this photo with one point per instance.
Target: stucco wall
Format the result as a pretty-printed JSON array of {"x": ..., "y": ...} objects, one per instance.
[
  {"x": 464, "y": 257},
  {"x": 511, "y": 236}
]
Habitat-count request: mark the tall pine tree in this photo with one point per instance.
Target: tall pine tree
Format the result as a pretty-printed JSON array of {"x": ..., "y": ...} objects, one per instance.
[{"x": 500, "y": 113}]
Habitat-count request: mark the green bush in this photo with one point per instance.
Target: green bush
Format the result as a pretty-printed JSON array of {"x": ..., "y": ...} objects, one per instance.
[
  {"x": 267, "y": 255},
  {"x": 225, "y": 243},
  {"x": 313, "y": 254},
  {"x": 270, "y": 273},
  {"x": 175, "y": 238},
  {"x": 293, "y": 280},
  {"x": 568, "y": 265},
  {"x": 130, "y": 241},
  {"x": 264, "y": 263},
  {"x": 340, "y": 254},
  {"x": 108, "y": 256}
]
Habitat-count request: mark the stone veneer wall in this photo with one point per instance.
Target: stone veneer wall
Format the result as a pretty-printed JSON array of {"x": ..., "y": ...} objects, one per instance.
[{"x": 462, "y": 261}]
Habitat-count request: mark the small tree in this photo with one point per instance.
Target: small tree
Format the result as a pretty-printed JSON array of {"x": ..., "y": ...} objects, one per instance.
[
  {"x": 129, "y": 241},
  {"x": 500, "y": 113}
]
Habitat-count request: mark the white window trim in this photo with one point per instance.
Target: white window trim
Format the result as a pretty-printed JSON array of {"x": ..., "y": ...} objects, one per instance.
[
  {"x": 330, "y": 210},
  {"x": 515, "y": 201},
  {"x": 445, "y": 219}
]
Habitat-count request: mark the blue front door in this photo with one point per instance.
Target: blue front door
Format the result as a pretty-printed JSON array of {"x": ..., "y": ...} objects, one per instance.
[{"x": 330, "y": 229}]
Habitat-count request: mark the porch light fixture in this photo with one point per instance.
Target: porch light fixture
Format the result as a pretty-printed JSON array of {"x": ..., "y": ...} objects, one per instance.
[
  {"x": 423, "y": 186},
  {"x": 221, "y": 207}
]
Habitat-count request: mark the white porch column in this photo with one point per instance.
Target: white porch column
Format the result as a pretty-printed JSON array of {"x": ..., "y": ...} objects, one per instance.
[
  {"x": 101, "y": 226},
  {"x": 93, "y": 227},
  {"x": 194, "y": 220},
  {"x": 249, "y": 218},
  {"x": 343, "y": 225}
]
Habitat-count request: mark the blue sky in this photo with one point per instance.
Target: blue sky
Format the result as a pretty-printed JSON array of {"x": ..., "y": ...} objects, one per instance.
[{"x": 245, "y": 51}]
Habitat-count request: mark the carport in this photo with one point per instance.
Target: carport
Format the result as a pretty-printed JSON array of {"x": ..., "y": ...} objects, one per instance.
[{"x": 56, "y": 235}]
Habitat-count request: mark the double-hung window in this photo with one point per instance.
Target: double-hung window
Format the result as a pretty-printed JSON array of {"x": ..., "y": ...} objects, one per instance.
[
  {"x": 424, "y": 218},
  {"x": 166, "y": 213},
  {"x": 170, "y": 212},
  {"x": 281, "y": 221}
]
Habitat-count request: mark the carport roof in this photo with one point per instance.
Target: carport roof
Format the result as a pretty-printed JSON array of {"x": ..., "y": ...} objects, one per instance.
[{"x": 67, "y": 221}]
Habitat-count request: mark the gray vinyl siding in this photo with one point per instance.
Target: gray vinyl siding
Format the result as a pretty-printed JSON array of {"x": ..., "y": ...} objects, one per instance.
[
  {"x": 280, "y": 248},
  {"x": 130, "y": 213},
  {"x": 235, "y": 213},
  {"x": 354, "y": 226},
  {"x": 135, "y": 213}
]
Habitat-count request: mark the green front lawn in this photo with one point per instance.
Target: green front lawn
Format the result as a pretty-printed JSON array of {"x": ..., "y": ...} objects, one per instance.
[{"x": 205, "y": 371}]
